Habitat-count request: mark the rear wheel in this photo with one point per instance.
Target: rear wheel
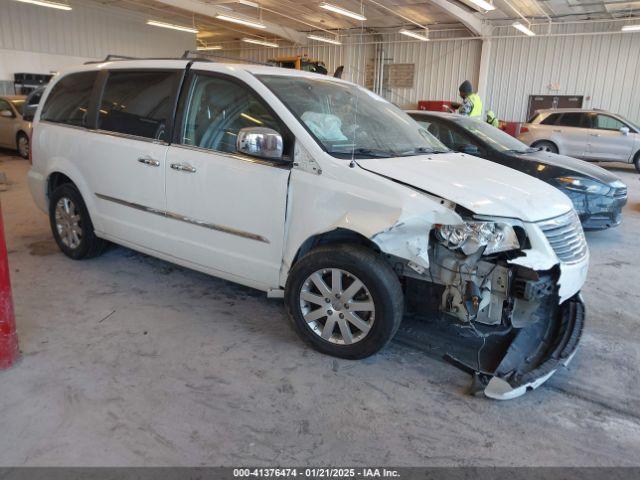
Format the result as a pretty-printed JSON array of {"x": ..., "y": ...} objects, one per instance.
[
  {"x": 22, "y": 142},
  {"x": 71, "y": 225},
  {"x": 636, "y": 161},
  {"x": 344, "y": 300},
  {"x": 546, "y": 146}
]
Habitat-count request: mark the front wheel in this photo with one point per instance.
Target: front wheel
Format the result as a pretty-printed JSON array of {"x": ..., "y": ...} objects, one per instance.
[
  {"x": 546, "y": 146},
  {"x": 636, "y": 161},
  {"x": 71, "y": 225},
  {"x": 22, "y": 141},
  {"x": 344, "y": 300}
]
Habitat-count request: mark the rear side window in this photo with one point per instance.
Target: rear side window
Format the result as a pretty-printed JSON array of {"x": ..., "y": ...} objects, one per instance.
[
  {"x": 550, "y": 120},
  {"x": 138, "y": 103},
  {"x": 68, "y": 102},
  {"x": 573, "y": 119}
]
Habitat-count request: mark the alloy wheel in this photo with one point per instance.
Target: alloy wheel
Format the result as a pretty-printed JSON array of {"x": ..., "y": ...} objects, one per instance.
[
  {"x": 23, "y": 146},
  {"x": 68, "y": 223},
  {"x": 337, "y": 306}
]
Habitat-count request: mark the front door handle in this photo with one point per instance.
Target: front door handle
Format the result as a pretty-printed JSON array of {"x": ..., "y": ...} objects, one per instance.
[
  {"x": 183, "y": 167},
  {"x": 594, "y": 134},
  {"x": 149, "y": 161}
]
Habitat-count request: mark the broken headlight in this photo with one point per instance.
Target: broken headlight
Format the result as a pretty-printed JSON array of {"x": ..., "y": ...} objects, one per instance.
[{"x": 470, "y": 236}]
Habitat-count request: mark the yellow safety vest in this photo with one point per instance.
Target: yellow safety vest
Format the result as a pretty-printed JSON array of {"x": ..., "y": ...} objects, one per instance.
[{"x": 476, "y": 111}]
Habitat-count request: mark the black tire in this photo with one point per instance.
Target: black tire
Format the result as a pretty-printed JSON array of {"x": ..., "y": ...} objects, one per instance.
[
  {"x": 89, "y": 245},
  {"x": 23, "y": 148},
  {"x": 546, "y": 146},
  {"x": 379, "y": 279},
  {"x": 636, "y": 161}
]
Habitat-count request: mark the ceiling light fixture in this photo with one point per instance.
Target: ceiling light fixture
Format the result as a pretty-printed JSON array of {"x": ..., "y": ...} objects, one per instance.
[
  {"x": 342, "y": 11},
  {"x": 260, "y": 42},
  {"x": 241, "y": 21},
  {"x": 155, "y": 23},
  {"x": 523, "y": 29},
  {"x": 631, "y": 28},
  {"x": 210, "y": 47},
  {"x": 324, "y": 39},
  {"x": 484, "y": 5},
  {"x": 411, "y": 33},
  {"x": 45, "y": 3}
]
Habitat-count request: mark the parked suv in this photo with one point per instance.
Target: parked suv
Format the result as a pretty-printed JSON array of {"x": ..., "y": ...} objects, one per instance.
[
  {"x": 316, "y": 190},
  {"x": 14, "y": 129},
  {"x": 593, "y": 135}
]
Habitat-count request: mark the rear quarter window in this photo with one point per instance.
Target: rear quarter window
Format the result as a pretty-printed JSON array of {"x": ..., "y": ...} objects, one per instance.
[{"x": 68, "y": 102}]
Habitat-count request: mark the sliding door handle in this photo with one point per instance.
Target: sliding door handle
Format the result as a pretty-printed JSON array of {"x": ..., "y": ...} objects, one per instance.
[
  {"x": 149, "y": 161},
  {"x": 183, "y": 167}
]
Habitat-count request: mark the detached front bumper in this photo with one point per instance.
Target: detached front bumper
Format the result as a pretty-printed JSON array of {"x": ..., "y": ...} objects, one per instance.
[
  {"x": 599, "y": 212},
  {"x": 525, "y": 365}
]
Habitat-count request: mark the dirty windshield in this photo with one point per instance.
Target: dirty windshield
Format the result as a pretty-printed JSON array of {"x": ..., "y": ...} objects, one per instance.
[{"x": 350, "y": 121}]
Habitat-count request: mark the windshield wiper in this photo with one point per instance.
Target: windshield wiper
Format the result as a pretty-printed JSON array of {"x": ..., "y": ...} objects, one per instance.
[
  {"x": 367, "y": 152},
  {"x": 522, "y": 152},
  {"x": 421, "y": 150}
]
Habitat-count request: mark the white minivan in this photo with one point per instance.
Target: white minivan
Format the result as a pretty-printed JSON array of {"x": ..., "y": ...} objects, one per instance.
[{"x": 316, "y": 190}]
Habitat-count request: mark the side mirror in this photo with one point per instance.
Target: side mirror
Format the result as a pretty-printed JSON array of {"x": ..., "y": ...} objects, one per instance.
[
  {"x": 260, "y": 142},
  {"x": 467, "y": 148},
  {"x": 624, "y": 130},
  {"x": 6, "y": 113}
]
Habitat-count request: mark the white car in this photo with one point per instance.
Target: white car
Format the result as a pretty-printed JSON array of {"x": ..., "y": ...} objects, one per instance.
[
  {"x": 316, "y": 190},
  {"x": 594, "y": 135}
]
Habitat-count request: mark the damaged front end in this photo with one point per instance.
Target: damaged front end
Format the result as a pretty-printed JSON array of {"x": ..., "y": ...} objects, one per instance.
[{"x": 502, "y": 298}]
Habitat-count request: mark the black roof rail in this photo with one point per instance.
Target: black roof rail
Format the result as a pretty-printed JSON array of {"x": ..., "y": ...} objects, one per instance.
[
  {"x": 194, "y": 56},
  {"x": 110, "y": 58},
  {"x": 216, "y": 57}
]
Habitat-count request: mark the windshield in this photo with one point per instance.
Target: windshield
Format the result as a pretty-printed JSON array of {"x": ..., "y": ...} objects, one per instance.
[
  {"x": 18, "y": 104},
  {"x": 494, "y": 137},
  {"x": 347, "y": 120}
]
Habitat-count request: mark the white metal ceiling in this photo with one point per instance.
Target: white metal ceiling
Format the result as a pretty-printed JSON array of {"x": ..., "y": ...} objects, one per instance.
[{"x": 305, "y": 15}]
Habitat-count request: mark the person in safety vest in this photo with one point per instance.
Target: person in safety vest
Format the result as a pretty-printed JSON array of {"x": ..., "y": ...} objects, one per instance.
[
  {"x": 492, "y": 120},
  {"x": 471, "y": 103}
]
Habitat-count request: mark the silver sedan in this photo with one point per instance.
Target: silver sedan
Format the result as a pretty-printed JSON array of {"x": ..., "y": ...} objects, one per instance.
[{"x": 14, "y": 129}]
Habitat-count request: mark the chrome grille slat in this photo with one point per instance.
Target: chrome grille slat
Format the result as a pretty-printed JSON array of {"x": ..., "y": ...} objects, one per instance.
[{"x": 566, "y": 237}]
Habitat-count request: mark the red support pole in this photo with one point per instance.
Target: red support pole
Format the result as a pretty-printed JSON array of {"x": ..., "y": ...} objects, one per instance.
[{"x": 8, "y": 337}]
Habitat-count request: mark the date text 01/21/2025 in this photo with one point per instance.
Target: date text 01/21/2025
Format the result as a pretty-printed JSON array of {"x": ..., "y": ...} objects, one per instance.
[{"x": 315, "y": 472}]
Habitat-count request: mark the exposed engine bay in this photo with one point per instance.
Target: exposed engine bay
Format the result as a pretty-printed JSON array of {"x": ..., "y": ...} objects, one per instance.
[{"x": 500, "y": 322}]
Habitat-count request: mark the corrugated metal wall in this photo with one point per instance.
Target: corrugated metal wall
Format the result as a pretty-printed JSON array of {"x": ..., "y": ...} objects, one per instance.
[
  {"x": 88, "y": 31},
  {"x": 605, "y": 68},
  {"x": 440, "y": 66}
]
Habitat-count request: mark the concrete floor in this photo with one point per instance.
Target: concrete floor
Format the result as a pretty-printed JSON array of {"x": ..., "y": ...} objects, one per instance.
[{"x": 129, "y": 360}]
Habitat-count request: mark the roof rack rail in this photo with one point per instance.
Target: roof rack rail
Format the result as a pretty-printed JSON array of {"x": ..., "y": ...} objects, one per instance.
[
  {"x": 217, "y": 57},
  {"x": 194, "y": 55},
  {"x": 110, "y": 58}
]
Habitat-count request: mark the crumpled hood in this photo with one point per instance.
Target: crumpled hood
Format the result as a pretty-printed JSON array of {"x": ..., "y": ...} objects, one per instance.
[
  {"x": 579, "y": 166},
  {"x": 484, "y": 187}
]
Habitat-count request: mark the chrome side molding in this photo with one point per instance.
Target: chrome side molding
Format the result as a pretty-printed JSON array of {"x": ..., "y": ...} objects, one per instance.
[{"x": 182, "y": 218}]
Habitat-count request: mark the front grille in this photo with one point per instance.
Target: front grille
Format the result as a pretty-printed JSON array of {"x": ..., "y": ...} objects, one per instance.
[{"x": 566, "y": 237}]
